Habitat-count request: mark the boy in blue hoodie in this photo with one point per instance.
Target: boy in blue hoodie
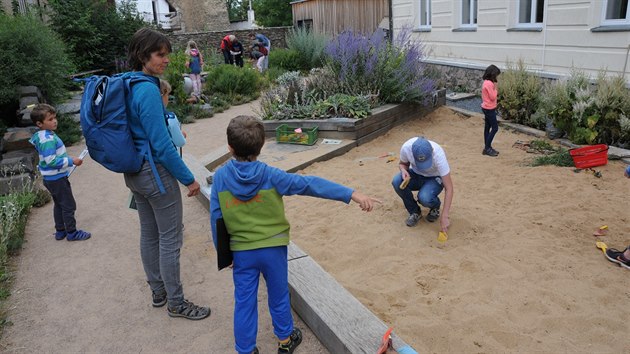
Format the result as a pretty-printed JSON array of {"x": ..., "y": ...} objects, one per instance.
[
  {"x": 247, "y": 195},
  {"x": 55, "y": 166}
]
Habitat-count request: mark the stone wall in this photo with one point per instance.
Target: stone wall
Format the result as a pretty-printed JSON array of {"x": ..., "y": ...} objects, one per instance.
[
  {"x": 202, "y": 15},
  {"x": 212, "y": 39},
  {"x": 461, "y": 79}
]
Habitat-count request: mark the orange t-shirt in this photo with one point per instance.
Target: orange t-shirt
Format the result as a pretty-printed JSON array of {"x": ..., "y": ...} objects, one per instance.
[{"x": 489, "y": 95}]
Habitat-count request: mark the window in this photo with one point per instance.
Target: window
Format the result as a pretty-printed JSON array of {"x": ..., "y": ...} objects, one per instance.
[
  {"x": 469, "y": 13},
  {"x": 306, "y": 24},
  {"x": 425, "y": 13},
  {"x": 616, "y": 11},
  {"x": 530, "y": 12}
]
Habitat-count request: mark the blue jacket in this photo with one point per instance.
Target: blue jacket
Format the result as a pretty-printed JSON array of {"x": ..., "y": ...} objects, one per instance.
[
  {"x": 146, "y": 119},
  {"x": 248, "y": 196},
  {"x": 263, "y": 39}
]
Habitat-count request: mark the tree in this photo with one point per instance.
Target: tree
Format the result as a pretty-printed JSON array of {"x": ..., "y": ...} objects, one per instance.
[
  {"x": 273, "y": 13},
  {"x": 95, "y": 32},
  {"x": 237, "y": 9}
]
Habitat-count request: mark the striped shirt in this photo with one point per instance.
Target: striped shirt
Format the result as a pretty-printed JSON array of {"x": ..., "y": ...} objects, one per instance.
[{"x": 54, "y": 162}]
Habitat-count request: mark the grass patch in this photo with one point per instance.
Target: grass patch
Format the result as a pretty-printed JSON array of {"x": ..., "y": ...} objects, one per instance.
[{"x": 559, "y": 157}]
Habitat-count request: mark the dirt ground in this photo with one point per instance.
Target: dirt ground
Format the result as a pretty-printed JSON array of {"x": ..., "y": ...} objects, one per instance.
[{"x": 520, "y": 271}]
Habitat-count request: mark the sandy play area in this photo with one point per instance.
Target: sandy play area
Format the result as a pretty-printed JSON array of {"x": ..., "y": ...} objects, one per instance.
[{"x": 520, "y": 271}]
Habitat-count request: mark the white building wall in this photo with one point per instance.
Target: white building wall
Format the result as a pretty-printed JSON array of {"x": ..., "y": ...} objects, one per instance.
[
  {"x": 145, "y": 8},
  {"x": 564, "y": 40}
]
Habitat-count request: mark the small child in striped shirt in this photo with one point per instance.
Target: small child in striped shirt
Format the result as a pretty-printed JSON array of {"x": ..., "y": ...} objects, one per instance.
[{"x": 55, "y": 166}]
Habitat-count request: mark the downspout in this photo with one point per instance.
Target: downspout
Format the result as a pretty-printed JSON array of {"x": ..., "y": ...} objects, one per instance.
[
  {"x": 544, "y": 45},
  {"x": 625, "y": 63},
  {"x": 391, "y": 20}
]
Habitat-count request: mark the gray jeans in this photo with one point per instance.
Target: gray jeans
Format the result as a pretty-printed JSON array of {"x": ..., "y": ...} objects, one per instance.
[{"x": 160, "y": 229}]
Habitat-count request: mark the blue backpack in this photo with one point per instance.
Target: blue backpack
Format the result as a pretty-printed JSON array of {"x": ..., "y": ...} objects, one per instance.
[{"x": 105, "y": 126}]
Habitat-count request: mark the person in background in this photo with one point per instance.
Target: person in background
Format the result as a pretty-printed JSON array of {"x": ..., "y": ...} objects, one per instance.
[
  {"x": 194, "y": 63},
  {"x": 266, "y": 42},
  {"x": 227, "y": 47},
  {"x": 489, "y": 95}
]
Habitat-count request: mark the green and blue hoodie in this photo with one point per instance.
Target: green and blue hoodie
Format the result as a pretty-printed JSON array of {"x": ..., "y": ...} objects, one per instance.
[
  {"x": 54, "y": 162},
  {"x": 248, "y": 196}
]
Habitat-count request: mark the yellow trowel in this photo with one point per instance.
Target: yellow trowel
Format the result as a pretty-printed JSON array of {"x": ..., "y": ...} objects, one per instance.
[
  {"x": 442, "y": 236},
  {"x": 602, "y": 246}
]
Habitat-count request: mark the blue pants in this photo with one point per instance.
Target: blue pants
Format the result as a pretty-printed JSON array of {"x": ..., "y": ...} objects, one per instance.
[
  {"x": 161, "y": 233},
  {"x": 491, "y": 126},
  {"x": 63, "y": 211},
  {"x": 429, "y": 188},
  {"x": 248, "y": 265}
]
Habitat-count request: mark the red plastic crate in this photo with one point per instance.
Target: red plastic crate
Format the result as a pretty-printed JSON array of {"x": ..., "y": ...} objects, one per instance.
[{"x": 590, "y": 156}]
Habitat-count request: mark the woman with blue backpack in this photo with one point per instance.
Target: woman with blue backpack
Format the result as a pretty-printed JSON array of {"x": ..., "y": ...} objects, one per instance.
[
  {"x": 155, "y": 187},
  {"x": 194, "y": 63}
]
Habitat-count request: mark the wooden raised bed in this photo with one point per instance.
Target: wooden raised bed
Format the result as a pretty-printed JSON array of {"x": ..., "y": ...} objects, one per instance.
[{"x": 381, "y": 120}]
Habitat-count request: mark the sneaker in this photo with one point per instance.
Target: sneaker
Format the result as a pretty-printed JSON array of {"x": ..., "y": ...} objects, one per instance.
[
  {"x": 490, "y": 152},
  {"x": 617, "y": 256},
  {"x": 434, "y": 214},
  {"x": 60, "y": 235},
  {"x": 189, "y": 311},
  {"x": 413, "y": 219},
  {"x": 159, "y": 298},
  {"x": 294, "y": 340}
]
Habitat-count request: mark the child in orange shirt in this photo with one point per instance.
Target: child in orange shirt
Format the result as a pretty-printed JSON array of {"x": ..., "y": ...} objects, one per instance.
[{"x": 489, "y": 106}]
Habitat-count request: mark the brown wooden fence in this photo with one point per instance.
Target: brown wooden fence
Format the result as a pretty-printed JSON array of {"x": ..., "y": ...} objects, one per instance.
[{"x": 335, "y": 16}]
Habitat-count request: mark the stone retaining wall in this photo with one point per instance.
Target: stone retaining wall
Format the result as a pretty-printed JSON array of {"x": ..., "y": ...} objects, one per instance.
[{"x": 212, "y": 39}]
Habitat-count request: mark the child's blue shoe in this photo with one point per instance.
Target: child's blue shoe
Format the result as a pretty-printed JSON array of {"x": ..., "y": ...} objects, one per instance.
[
  {"x": 60, "y": 235},
  {"x": 78, "y": 235}
]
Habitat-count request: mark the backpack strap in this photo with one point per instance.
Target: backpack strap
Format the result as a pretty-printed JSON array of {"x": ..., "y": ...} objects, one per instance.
[{"x": 146, "y": 149}]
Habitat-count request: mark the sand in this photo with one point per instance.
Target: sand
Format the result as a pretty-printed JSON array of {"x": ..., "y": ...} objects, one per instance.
[{"x": 520, "y": 271}]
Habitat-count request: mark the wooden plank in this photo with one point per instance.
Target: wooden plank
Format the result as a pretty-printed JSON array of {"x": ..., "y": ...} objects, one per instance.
[
  {"x": 216, "y": 158},
  {"x": 200, "y": 172},
  {"x": 338, "y": 319}
]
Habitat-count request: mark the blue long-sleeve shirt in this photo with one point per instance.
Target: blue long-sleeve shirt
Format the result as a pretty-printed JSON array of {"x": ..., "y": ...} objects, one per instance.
[{"x": 146, "y": 120}]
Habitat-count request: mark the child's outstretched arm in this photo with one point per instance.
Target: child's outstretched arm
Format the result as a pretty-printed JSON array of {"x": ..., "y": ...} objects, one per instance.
[{"x": 365, "y": 202}]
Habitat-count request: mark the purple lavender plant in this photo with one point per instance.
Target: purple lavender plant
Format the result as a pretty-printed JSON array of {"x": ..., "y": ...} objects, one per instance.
[{"x": 373, "y": 66}]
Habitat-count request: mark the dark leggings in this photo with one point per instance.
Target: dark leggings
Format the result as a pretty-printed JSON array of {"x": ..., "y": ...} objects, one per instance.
[{"x": 491, "y": 127}]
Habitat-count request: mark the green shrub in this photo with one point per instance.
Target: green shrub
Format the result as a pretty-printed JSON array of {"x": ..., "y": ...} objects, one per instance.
[
  {"x": 309, "y": 46},
  {"x": 68, "y": 130},
  {"x": 612, "y": 105},
  {"x": 31, "y": 54},
  {"x": 588, "y": 114},
  {"x": 230, "y": 81},
  {"x": 519, "y": 93},
  {"x": 174, "y": 74},
  {"x": 96, "y": 32},
  {"x": 285, "y": 59}
]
